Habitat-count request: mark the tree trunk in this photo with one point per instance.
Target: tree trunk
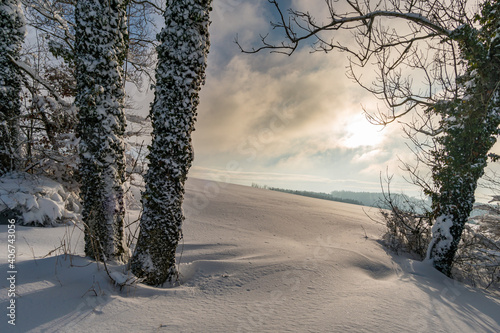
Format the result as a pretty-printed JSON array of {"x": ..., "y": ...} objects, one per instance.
[
  {"x": 446, "y": 235},
  {"x": 460, "y": 163},
  {"x": 12, "y": 31},
  {"x": 100, "y": 49},
  {"x": 180, "y": 74},
  {"x": 471, "y": 126}
]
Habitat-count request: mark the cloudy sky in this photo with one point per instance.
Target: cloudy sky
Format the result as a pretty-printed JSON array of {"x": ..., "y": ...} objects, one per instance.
[{"x": 292, "y": 122}]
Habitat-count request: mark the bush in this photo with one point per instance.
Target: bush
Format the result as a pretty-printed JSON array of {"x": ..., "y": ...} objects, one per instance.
[
  {"x": 407, "y": 221},
  {"x": 478, "y": 256},
  {"x": 407, "y": 231},
  {"x": 35, "y": 200}
]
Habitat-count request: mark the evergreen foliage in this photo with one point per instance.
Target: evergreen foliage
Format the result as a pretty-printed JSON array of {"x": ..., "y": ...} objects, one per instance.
[
  {"x": 12, "y": 31},
  {"x": 100, "y": 51},
  {"x": 470, "y": 127},
  {"x": 180, "y": 73}
]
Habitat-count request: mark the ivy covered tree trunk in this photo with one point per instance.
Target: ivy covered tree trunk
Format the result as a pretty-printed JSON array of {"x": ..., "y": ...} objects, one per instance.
[
  {"x": 470, "y": 130},
  {"x": 463, "y": 158},
  {"x": 182, "y": 56},
  {"x": 100, "y": 51},
  {"x": 12, "y": 31}
]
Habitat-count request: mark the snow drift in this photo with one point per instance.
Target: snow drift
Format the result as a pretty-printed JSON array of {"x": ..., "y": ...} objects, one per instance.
[{"x": 252, "y": 260}]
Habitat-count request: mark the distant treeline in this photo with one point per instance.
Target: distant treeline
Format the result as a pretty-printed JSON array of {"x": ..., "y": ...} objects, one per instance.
[
  {"x": 371, "y": 199},
  {"x": 317, "y": 195}
]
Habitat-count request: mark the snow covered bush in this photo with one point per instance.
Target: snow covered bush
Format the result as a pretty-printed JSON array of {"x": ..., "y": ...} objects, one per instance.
[
  {"x": 407, "y": 222},
  {"x": 407, "y": 232},
  {"x": 477, "y": 260},
  {"x": 478, "y": 255},
  {"x": 50, "y": 143},
  {"x": 34, "y": 200}
]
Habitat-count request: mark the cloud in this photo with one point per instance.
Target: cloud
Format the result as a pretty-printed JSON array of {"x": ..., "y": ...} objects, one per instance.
[
  {"x": 296, "y": 96},
  {"x": 284, "y": 121}
]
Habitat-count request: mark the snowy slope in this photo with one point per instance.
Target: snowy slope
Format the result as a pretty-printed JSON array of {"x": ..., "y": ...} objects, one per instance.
[{"x": 252, "y": 261}]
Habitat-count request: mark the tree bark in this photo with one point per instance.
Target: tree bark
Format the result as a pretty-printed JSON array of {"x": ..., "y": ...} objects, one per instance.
[
  {"x": 12, "y": 31},
  {"x": 100, "y": 50},
  {"x": 180, "y": 73}
]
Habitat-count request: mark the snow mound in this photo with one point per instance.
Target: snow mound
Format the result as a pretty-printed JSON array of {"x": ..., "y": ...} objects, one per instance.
[{"x": 35, "y": 200}]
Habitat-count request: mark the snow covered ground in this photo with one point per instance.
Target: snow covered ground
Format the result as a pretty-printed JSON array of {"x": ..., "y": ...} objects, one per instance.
[{"x": 252, "y": 260}]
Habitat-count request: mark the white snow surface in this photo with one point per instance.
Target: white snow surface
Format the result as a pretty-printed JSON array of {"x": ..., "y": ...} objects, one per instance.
[{"x": 252, "y": 260}]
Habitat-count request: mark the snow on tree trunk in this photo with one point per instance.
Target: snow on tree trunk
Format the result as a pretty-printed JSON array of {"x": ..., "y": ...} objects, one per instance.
[
  {"x": 471, "y": 126},
  {"x": 460, "y": 164},
  {"x": 100, "y": 50},
  {"x": 12, "y": 31},
  {"x": 446, "y": 235},
  {"x": 180, "y": 73}
]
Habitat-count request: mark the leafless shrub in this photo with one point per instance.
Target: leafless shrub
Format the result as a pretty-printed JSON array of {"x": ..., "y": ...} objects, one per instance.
[
  {"x": 408, "y": 225},
  {"x": 477, "y": 261},
  {"x": 478, "y": 257}
]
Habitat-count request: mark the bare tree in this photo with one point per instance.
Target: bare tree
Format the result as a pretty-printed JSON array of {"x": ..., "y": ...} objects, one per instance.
[
  {"x": 436, "y": 59},
  {"x": 55, "y": 20}
]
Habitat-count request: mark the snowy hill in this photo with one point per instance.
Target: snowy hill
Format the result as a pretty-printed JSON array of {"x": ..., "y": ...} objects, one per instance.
[{"x": 252, "y": 261}]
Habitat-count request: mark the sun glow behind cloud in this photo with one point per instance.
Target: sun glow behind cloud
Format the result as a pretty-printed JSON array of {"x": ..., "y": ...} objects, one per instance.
[
  {"x": 293, "y": 122},
  {"x": 360, "y": 132}
]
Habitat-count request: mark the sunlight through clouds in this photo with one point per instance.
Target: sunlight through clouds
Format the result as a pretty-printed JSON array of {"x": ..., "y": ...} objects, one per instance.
[
  {"x": 265, "y": 115},
  {"x": 298, "y": 116},
  {"x": 360, "y": 133},
  {"x": 294, "y": 122}
]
